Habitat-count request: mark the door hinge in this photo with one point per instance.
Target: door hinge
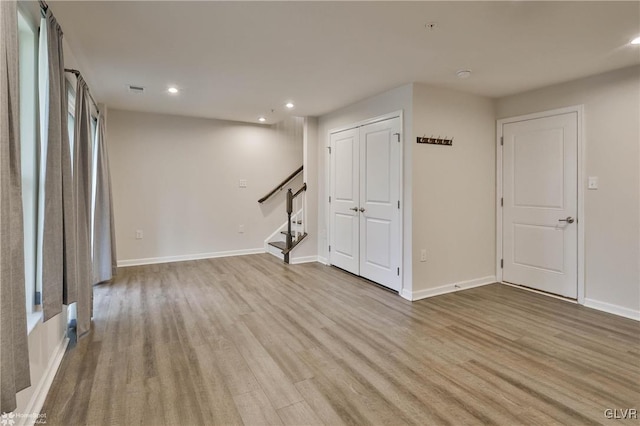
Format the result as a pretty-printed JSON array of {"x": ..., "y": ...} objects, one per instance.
[
  {"x": 501, "y": 263},
  {"x": 501, "y": 202},
  {"x": 501, "y": 140},
  {"x": 398, "y": 135},
  {"x": 329, "y": 198},
  {"x": 329, "y": 148},
  {"x": 398, "y": 271},
  {"x": 329, "y": 248},
  {"x": 398, "y": 203},
  {"x": 38, "y": 299}
]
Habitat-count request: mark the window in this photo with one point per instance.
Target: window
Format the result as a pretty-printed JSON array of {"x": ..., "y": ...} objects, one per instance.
[
  {"x": 27, "y": 38},
  {"x": 71, "y": 116}
]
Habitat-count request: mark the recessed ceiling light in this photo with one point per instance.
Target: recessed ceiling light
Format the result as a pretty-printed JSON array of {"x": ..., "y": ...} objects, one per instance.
[
  {"x": 172, "y": 90},
  {"x": 289, "y": 105},
  {"x": 262, "y": 119},
  {"x": 635, "y": 40},
  {"x": 463, "y": 74}
]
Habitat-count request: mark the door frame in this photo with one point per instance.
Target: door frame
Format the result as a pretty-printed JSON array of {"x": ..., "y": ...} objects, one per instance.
[
  {"x": 395, "y": 114},
  {"x": 579, "y": 110}
]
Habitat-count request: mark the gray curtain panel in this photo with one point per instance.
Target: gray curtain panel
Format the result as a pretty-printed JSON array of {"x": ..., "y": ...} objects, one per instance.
[
  {"x": 14, "y": 350},
  {"x": 104, "y": 241},
  {"x": 59, "y": 268},
  {"x": 82, "y": 184}
]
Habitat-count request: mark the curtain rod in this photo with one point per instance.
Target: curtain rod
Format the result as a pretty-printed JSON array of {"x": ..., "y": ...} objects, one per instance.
[{"x": 77, "y": 74}]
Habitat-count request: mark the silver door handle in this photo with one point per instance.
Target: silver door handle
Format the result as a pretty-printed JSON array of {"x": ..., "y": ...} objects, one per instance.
[
  {"x": 355, "y": 209},
  {"x": 361, "y": 210},
  {"x": 569, "y": 219}
]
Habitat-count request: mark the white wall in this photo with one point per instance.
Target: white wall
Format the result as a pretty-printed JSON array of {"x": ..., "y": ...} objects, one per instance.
[
  {"x": 453, "y": 191},
  {"x": 384, "y": 103},
  {"x": 177, "y": 179},
  {"x": 612, "y": 213}
]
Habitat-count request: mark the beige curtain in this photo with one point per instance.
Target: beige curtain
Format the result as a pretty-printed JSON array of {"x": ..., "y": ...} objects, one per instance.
[
  {"x": 14, "y": 350},
  {"x": 58, "y": 258},
  {"x": 104, "y": 241},
  {"x": 82, "y": 185}
]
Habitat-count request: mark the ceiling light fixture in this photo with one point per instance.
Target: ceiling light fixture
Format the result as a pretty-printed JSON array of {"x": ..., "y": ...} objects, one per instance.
[
  {"x": 463, "y": 74},
  {"x": 262, "y": 119},
  {"x": 172, "y": 90},
  {"x": 635, "y": 40},
  {"x": 289, "y": 105}
]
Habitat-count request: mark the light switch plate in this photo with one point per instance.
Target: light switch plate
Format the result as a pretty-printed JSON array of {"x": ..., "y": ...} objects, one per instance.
[
  {"x": 243, "y": 183},
  {"x": 593, "y": 182}
]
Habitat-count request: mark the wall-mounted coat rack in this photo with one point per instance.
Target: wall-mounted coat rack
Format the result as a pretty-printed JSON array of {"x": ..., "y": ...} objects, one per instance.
[{"x": 436, "y": 141}]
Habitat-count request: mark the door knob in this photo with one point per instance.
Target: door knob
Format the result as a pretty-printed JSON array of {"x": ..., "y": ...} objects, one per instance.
[
  {"x": 361, "y": 210},
  {"x": 355, "y": 209},
  {"x": 569, "y": 219}
]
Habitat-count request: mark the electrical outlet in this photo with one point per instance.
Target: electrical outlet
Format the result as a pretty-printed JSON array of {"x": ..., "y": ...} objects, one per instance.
[
  {"x": 241, "y": 229},
  {"x": 139, "y": 234},
  {"x": 423, "y": 255},
  {"x": 242, "y": 183}
]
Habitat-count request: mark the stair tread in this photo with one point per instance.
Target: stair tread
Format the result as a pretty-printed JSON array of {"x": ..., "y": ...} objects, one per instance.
[{"x": 278, "y": 244}]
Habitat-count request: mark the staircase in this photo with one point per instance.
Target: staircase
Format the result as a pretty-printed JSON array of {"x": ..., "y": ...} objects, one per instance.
[{"x": 293, "y": 231}]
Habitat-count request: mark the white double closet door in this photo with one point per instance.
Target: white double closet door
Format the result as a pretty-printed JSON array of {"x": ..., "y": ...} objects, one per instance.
[{"x": 365, "y": 234}]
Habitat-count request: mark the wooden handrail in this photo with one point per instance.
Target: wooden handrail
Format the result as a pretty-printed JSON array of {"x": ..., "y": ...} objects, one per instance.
[{"x": 281, "y": 185}]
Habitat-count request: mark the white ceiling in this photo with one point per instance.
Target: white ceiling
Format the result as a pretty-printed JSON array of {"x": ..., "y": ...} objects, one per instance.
[{"x": 239, "y": 60}]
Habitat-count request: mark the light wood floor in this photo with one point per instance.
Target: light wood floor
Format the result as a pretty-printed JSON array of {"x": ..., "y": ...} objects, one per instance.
[{"x": 251, "y": 340}]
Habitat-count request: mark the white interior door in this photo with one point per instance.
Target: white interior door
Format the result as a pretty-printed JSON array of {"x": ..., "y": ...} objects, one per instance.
[
  {"x": 365, "y": 196},
  {"x": 540, "y": 184},
  {"x": 345, "y": 199},
  {"x": 380, "y": 202}
]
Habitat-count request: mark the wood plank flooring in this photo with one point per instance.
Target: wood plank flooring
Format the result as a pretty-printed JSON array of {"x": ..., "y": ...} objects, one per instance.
[{"x": 251, "y": 340}]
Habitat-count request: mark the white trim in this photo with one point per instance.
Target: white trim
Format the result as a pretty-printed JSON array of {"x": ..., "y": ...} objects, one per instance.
[
  {"x": 405, "y": 294},
  {"x": 182, "y": 258},
  {"x": 303, "y": 259},
  {"x": 612, "y": 309},
  {"x": 394, "y": 114},
  {"x": 33, "y": 319},
  {"x": 448, "y": 288},
  {"x": 42, "y": 389},
  {"x": 579, "y": 110},
  {"x": 323, "y": 260}
]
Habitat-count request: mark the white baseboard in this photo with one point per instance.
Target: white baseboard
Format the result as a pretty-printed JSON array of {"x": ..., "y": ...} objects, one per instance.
[
  {"x": 182, "y": 258},
  {"x": 612, "y": 309},
  {"x": 323, "y": 260},
  {"x": 42, "y": 388},
  {"x": 448, "y": 288},
  {"x": 406, "y": 294},
  {"x": 303, "y": 259}
]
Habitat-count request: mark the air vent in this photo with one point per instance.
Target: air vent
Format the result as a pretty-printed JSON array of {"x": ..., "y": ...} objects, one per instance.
[{"x": 136, "y": 89}]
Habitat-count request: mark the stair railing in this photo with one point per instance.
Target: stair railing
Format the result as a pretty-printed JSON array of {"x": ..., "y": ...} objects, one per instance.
[
  {"x": 295, "y": 203},
  {"x": 281, "y": 185}
]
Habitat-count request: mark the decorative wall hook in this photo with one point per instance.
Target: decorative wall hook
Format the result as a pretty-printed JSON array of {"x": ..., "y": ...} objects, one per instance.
[{"x": 435, "y": 141}]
